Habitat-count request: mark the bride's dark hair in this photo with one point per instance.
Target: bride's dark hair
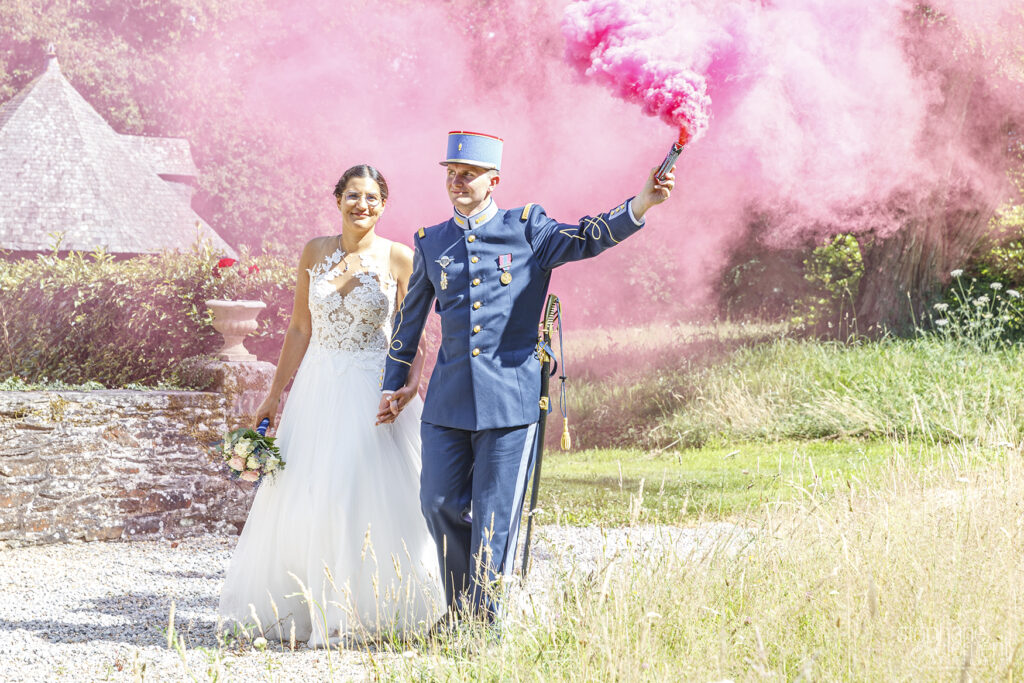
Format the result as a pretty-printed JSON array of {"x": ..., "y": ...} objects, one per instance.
[{"x": 362, "y": 171}]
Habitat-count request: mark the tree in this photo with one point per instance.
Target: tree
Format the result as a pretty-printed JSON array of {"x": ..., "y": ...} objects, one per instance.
[{"x": 983, "y": 107}]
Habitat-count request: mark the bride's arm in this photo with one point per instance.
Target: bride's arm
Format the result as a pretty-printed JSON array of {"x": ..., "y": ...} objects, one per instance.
[{"x": 296, "y": 338}]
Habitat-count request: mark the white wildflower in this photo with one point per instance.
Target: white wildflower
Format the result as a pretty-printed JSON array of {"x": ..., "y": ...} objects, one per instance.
[
  {"x": 941, "y": 322},
  {"x": 1014, "y": 294},
  {"x": 271, "y": 464},
  {"x": 981, "y": 300},
  {"x": 987, "y": 316},
  {"x": 957, "y": 273},
  {"x": 996, "y": 286},
  {"x": 940, "y": 307}
]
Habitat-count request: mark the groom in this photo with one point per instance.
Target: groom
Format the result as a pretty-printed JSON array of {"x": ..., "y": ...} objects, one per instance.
[{"x": 488, "y": 270}]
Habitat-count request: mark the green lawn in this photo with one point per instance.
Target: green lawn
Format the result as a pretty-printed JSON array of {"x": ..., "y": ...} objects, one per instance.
[{"x": 602, "y": 486}]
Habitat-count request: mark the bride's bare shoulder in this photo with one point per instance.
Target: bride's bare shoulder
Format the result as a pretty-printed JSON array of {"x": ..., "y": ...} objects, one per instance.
[
  {"x": 317, "y": 249},
  {"x": 401, "y": 259}
]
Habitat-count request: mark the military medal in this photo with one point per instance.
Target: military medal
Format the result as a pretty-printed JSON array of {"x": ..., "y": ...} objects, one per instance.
[
  {"x": 505, "y": 263},
  {"x": 444, "y": 262}
]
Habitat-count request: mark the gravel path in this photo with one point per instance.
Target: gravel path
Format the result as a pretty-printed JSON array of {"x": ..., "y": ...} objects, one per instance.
[{"x": 99, "y": 611}]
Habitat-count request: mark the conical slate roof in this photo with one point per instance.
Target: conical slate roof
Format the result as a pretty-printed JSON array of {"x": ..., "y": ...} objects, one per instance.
[{"x": 63, "y": 169}]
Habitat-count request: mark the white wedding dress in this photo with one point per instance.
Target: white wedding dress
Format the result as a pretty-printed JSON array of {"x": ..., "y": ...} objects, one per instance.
[{"x": 342, "y": 521}]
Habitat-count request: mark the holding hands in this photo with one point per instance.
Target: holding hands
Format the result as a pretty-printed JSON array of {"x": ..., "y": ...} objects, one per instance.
[{"x": 391, "y": 404}]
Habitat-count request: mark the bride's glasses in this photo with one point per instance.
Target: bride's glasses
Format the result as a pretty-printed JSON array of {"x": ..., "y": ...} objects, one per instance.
[{"x": 370, "y": 199}]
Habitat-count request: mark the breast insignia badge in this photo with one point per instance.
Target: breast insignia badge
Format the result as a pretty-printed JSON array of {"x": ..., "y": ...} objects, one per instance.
[{"x": 444, "y": 262}]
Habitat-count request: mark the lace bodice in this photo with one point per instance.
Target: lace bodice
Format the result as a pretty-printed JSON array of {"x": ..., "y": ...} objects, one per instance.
[{"x": 352, "y": 300}]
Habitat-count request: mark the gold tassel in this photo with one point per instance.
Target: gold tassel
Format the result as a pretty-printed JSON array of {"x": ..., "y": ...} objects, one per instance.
[{"x": 566, "y": 440}]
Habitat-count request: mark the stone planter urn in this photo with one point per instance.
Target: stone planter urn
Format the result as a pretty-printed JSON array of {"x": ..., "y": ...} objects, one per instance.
[{"x": 234, "y": 320}]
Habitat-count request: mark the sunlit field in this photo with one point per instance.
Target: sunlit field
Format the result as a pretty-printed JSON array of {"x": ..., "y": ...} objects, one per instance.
[{"x": 866, "y": 501}]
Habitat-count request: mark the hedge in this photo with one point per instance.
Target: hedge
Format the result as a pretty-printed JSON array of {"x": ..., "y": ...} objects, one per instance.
[{"x": 90, "y": 317}]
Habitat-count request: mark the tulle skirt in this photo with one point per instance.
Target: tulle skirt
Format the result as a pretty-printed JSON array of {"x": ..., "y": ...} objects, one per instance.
[{"x": 335, "y": 545}]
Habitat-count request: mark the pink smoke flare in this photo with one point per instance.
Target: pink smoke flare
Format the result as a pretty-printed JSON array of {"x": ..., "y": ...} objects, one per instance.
[{"x": 631, "y": 48}]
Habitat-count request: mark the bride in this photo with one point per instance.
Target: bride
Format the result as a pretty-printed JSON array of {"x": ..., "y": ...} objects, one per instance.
[{"x": 335, "y": 545}]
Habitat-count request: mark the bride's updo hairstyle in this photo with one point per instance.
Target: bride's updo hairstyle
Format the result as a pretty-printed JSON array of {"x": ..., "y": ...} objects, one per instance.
[{"x": 362, "y": 171}]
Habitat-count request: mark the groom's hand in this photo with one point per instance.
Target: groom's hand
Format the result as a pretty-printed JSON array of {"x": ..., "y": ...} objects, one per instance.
[{"x": 655, "y": 192}]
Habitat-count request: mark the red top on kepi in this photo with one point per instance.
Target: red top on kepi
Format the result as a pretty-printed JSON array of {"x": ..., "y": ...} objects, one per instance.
[{"x": 476, "y": 149}]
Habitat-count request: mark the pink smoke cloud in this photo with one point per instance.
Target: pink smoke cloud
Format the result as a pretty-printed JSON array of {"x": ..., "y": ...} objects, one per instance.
[
  {"x": 636, "y": 50},
  {"x": 819, "y": 109},
  {"x": 819, "y": 114}
]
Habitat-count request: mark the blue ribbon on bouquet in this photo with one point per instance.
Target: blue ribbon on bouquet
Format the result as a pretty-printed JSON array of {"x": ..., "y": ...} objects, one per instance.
[{"x": 264, "y": 424}]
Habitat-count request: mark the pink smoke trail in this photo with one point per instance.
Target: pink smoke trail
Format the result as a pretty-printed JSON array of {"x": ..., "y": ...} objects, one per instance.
[{"x": 632, "y": 48}]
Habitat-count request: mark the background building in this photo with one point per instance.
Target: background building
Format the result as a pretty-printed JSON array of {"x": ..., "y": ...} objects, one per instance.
[{"x": 67, "y": 176}]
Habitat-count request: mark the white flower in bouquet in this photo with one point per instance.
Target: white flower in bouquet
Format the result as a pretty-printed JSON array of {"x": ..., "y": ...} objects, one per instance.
[{"x": 249, "y": 454}]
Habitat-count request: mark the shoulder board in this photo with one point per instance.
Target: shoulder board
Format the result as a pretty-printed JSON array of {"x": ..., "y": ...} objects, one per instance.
[
  {"x": 422, "y": 232},
  {"x": 526, "y": 212}
]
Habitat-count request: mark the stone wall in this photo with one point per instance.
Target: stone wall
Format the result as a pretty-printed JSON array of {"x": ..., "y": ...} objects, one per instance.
[{"x": 114, "y": 465}]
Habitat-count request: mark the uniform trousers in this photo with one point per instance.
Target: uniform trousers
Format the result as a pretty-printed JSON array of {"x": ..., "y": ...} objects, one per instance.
[{"x": 472, "y": 487}]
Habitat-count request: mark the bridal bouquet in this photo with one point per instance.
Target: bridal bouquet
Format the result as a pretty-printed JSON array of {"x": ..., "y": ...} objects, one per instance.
[{"x": 250, "y": 454}]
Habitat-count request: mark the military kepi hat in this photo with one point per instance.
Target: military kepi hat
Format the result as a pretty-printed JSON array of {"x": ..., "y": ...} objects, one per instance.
[{"x": 476, "y": 149}]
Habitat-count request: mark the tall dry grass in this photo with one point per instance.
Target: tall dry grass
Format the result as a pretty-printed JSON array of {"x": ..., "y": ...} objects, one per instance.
[
  {"x": 920, "y": 578},
  {"x": 689, "y": 392}
]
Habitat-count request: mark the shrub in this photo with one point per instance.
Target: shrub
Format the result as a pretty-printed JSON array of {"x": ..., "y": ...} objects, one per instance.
[
  {"x": 81, "y": 317},
  {"x": 984, "y": 315},
  {"x": 833, "y": 270}
]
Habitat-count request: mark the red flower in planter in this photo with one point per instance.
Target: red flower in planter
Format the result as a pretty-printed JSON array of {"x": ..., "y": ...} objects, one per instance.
[{"x": 233, "y": 275}]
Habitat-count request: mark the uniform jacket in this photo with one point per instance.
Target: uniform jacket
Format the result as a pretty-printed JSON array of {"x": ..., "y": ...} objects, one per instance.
[{"x": 487, "y": 375}]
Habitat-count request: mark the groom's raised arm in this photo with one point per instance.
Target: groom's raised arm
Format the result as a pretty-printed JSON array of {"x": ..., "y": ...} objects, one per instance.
[
  {"x": 556, "y": 243},
  {"x": 409, "y": 322}
]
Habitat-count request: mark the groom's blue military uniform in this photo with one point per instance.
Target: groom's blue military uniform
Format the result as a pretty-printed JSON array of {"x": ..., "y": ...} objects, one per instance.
[{"x": 487, "y": 276}]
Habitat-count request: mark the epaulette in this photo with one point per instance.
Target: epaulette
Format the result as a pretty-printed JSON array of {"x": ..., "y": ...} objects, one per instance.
[{"x": 526, "y": 212}]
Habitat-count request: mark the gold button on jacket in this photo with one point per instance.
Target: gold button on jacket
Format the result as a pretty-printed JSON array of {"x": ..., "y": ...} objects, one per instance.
[
  {"x": 476, "y": 281},
  {"x": 476, "y": 352},
  {"x": 471, "y": 238},
  {"x": 476, "y": 329},
  {"x": 475, "y": 259},
  {"x": 477, "y": 304}
]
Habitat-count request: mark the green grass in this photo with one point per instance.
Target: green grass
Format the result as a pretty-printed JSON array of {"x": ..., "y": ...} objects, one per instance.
[
  {"x": 603, "y": 486},
  {"x": 928, "y": 389},
  {"x": 695, "y": 394},
  {"x": 913, "y": 578}
]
